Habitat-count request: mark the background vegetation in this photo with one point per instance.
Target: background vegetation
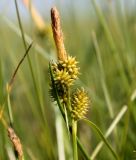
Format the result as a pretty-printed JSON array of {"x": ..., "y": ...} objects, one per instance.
[{"x": 102, "y": 35}]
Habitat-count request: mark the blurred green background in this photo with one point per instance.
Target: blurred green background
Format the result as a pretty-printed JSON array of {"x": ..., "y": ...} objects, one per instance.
[{"x": 102, "y": 36}]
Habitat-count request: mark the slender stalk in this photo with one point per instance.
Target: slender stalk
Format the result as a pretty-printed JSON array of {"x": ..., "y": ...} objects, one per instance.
[
  {"x": 9, "y": 110},
  {"x": 82, "y": 149},
  {"x": 74, "y": 140},
  {"x": 9, "y": 86},
  {"x": 20, "y": 62},
  {"x": 102, "y": 76}
]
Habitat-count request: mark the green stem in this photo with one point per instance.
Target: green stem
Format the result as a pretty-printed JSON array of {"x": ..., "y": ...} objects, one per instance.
[
  {"x": 102, "y": 76},
  {"x": 82, "y": 149},
  {"x": 74, "y": 140},
  {"x": 69, "y": 103},
  {"x": 9, "y": 110}
]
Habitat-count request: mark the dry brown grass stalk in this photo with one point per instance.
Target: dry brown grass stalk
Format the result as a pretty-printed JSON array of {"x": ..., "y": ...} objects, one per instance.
[{"x": 16, "y": 143}]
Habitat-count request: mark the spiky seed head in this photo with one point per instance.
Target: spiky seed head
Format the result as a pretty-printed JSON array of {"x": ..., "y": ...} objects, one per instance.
[
  {"x": 79, "y": 103},
  {"x": 71, "y": 66},
  {"x": 66, "y": 71},
  {"x": 62, "y": 77}
]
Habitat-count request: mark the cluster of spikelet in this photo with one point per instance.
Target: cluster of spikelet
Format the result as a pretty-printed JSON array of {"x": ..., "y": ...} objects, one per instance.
[{"x": 65, "y": 71}]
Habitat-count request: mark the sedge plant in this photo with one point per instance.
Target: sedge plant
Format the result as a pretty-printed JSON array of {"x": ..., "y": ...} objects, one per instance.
[
  {"x": 72, "y": 104},
  {"x": 63, "y": 74}
]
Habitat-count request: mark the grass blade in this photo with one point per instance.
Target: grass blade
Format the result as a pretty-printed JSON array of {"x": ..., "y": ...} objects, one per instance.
[
  {"x": 102, "y": 137},
  {"x": 109, "y": 130},
  {"x": 102, "y": 76}
]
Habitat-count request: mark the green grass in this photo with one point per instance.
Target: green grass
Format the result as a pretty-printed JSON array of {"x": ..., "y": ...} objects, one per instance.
[{"x": 104, "y": 44}]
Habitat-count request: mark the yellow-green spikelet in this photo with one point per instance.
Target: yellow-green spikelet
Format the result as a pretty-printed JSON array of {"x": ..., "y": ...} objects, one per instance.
[
  {"x": 66, "y": 71},
  {"x": 62, "y": 77},
  {"x": 79, "y": 104},
  {"x": 70, "y": 64}
]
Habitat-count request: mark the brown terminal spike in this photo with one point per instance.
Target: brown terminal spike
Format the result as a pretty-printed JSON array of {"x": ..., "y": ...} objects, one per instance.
[{"x": 57, "y": 34}]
